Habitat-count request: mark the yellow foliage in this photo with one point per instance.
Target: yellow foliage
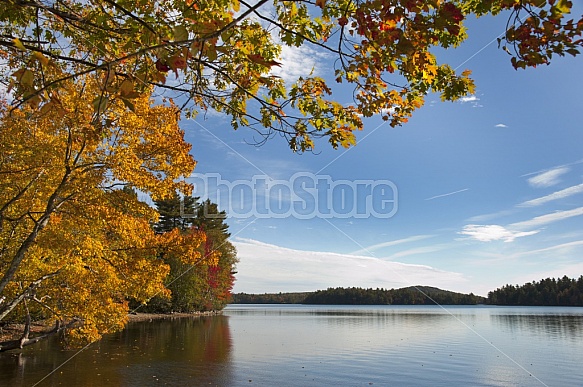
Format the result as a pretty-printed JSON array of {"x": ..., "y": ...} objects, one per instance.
[
  {"x": 184, "y": 245},
  {"x": 61, "y": 218}
]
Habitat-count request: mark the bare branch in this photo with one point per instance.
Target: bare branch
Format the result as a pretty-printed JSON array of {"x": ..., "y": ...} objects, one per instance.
[{"x": 28, "y": 292}]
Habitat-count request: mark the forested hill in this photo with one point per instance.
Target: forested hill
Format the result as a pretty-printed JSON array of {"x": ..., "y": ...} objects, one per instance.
[
  {"x": 546, "y": 292},
  {"x": 413, "y": 295}
]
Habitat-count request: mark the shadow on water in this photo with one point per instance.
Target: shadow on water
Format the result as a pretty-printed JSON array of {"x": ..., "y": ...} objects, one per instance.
[{"x": 168, "y": 351}]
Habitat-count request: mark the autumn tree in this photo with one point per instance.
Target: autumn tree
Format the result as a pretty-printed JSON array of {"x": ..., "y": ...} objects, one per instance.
[
  {"x": 78, "y": 120},
  {"x": 218, "y": 54},
  {"x": 206, "y": 284},
  {"x": 220, "y": 278},
  {"x": 74, "y": 246}
]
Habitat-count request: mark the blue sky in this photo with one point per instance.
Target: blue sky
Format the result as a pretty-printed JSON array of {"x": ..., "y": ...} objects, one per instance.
[{"x": 487, "y": 191}]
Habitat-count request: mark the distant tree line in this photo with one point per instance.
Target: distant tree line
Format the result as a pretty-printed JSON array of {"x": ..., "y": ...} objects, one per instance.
[
  {"x": 546, "y": 292},
  {"x": 269, "y": 298},
  {"x": 414, "y": 295}
]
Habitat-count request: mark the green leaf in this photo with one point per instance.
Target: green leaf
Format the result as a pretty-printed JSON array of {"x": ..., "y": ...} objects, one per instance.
[
  {"x": 180, "y": 33},
  {"x": 211, "y": 53},
  {"x": 573, "y": 51},
  {"x": 99, "y": 104},
  {"x": 129, "y": 104},
  {"x": 27, "y": 78}
]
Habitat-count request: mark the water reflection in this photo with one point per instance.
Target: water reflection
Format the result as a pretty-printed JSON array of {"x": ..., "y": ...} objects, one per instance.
[
  {"x": 421, "y": 318},
  {"x": 551, "y": 326},
  {"x": 170, "y": 351},
  {"x": 316, "y": 346}
]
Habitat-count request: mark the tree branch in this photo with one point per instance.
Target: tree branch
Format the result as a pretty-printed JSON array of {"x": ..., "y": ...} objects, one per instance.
[
  {"x": 280, "y": 26},
  {"x": 25, "y": 293},
  {"x": 131, "y": 15},
  {"x": 21, "y": 343}
]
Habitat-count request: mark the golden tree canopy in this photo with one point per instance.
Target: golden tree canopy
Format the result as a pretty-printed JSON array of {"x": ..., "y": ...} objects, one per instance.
[{"x": 74, "y": 245}]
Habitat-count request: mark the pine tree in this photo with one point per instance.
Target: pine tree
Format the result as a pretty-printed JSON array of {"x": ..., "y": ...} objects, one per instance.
[
  {"x": 207, "y": 284},
  {"x": 176, "y": 212}
]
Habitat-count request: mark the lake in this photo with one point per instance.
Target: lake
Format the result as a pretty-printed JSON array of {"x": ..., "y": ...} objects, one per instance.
[{"x": 302, "y": 345}]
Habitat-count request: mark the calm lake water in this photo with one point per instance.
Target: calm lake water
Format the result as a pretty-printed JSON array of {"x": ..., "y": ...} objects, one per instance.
[{"x": 300, "y": 345}]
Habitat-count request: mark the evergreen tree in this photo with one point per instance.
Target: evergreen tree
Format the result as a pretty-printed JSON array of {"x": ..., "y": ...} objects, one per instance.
[
  {"x": 546, "y": 292},
  {"x": 203, "y": 286},
  {"x": 172, "y": 210}
]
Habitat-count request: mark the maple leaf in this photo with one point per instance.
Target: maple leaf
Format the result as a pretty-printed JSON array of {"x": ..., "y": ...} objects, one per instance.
[
  {"x": 256, "y": 58},
  {"x": 177, "y": 62}
]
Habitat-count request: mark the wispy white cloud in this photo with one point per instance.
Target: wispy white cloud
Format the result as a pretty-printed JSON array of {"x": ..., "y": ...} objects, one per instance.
[
  {"x": 269, "y": 268},
  {"x": 548, "y": 178},
  {"x": 493, "y": 232},
  {"x": 471, "y": 99},
  {"x": 420, "y": 250},
  {"x": 488, "y": 217},
  {"x": 553, "y": 168},
  {"x": 372, "y": 248},
  {"x": 554, "y": 196},
  {"x": 562, "y": 247},
  {"x": 298, "y": 62},
  {"x": 447, "y": 194},
  {"x": 548, "y": 218},
  {"x": 501, "y": 126}
]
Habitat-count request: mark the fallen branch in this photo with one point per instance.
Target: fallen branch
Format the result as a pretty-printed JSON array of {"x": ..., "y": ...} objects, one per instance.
[{"x": 25, "y": 340}]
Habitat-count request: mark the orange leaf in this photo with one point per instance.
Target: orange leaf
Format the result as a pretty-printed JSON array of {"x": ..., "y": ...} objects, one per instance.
[{"x": 260, "y": 60}]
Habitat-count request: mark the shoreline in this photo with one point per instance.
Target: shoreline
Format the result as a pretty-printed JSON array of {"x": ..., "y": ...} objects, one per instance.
[
  {"x": 13, "y": 331},
  {"x": 138, "y": 317}
]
